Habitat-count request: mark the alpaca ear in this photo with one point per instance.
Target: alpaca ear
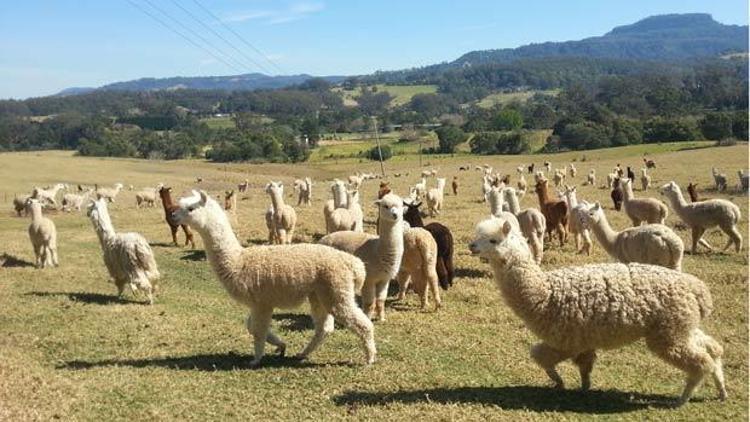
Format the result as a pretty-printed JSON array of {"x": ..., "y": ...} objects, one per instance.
[
  {"x": 507, "y": 228},
  {"x": 597, "y": 206},
  {"x": 204, "y": 197}
]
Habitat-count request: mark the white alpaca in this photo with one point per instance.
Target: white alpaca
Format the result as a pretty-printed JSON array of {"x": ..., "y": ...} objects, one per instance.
[
  {"x": 521, "y": 183},
  {"x": 720, "y": 179},
  {"x": 572, "y": 171},
  {"x": 531, "y": 221},
  {"x": 650, "y": 210},
  {"x": 349, "y": 218},
  {"x": 147, "y": 197},
  {"x": 577, "y": 310},
  {"x": 19, "y": 204},
  {"x": 109, "y": 193},
  {"x": 435, "y": 197},
  {"x": 497, "y": 201},
  {"x": 559, "y": 177},
  {"x": 654, "y": 244},
  {"x": 264, "y": 278},
  {"x": 282, "y": 217},
  {"x": 127, "y": 256},
  {"x": 48, "y": 195},
  {"x": 486, "y": 186},
  {"x": 355, "y": 181},
  {"x": 418, "y": 266},
  {"x": 74, "y": 201},
  {"x": 548, "y": 167},
  {"x": 303, "y": 187},
  {"x": 421, "y": 188},
  {"x": 339, "y": 192},
  {"x": 43, "y": 235},
  {"x": 381, "y": 254},
  {"x": 575, "y": 226},
  {"x": 705, "y": 215},
  {"x": 591, "y": 178},
  {"x": 645, "y": 179}
]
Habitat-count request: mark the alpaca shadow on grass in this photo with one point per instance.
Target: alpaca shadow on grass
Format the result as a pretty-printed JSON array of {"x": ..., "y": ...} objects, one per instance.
[
  {"x": 209, "y": 362},
  {"x": 194, "y": 255},
  {"x": 294, "y": 322},
  {"x": 160, "y": 244},
  {"x": 538, "y": 399},
  {"x": 257, "y": 241},
  {"x": 89, "y": 298},
  {"x": 10, "y": 261},
  {"x": 471, "y": 273}
]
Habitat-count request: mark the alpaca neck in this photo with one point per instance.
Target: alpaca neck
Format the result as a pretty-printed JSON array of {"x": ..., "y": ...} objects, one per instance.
[
  {"x": 276, "y": 200},
  {"x": 572, "y": 199},
  {"x": 678, "y": 202},
  {"x": 605, "y": 234},
  {"x": 522, "y": 284},
  {"x": 496, "y": 203},
  {"x": 166, "y": 200},
  {"x": 627, "y": 192},
  {"x": 221, "y": 245},
  {"x": 513, "y": 205},
  {"x": 104, "y": 228},
  {"x": 36, "y": 213}
]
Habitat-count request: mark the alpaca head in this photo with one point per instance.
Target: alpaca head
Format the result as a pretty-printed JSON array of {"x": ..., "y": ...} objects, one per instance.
[
  {"x": 390, "y": 209},
  {"x": 669, "y": 189},
  {"x": 593, "y": 213},
  {"x": 625, "y": 183},
  {"x": 33, "y": 205},
  {"x": 165, "y": 191},
  {"x": 495, "y": 240},
  {"x": 98, "y": 213},
  {"x": 197, "y": 210},
  {"x": 275, "y": 188},
  {"x": 412, "y": 214}
]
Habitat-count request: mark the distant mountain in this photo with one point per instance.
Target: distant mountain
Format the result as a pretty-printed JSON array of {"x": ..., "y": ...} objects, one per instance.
[
  {"x": 245, "y": 82},
  {"x": 659, "y": 38},
  {"x": 74, "y": 91}
]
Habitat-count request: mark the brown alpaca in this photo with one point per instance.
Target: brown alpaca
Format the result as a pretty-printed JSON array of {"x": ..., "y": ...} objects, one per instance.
[
  {"x": 169, "y": 208},
  {"x": 230, "y": 201},
  {"x": 385, "y": 189},
  {"x": 454, "y": 185},
  {"x": 693, "y": 192},
  {"x": 555, "y": 212}
]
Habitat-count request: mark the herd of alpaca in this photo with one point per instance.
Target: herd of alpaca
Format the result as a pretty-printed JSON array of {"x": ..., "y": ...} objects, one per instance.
[{"x": 575, "y": 311}]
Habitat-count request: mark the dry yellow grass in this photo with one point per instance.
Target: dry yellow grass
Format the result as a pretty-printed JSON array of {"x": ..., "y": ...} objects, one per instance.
[{"x": 71, "y": 351}]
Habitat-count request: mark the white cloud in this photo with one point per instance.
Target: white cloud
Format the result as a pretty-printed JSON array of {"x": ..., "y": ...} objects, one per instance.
[{"x": 294, "y": 12}]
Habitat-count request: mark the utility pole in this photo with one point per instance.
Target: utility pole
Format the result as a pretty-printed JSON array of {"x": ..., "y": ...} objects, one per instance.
[{"x": 377, "y": 139}]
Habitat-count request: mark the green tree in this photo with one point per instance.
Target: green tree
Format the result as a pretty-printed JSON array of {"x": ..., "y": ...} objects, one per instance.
[
  {"x": 449, "y": 137},
  {"x": 508, "y": 119},
  {"x": 716, "y": 126}
]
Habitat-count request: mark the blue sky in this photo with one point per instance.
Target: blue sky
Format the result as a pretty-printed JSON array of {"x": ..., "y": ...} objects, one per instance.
[{"x": 49, "y": 45}]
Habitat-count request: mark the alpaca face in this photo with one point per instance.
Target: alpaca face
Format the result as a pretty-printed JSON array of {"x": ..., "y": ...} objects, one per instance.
[
  {"x": 194, "y": 210},
  {"x": 97, "y": 209},
  {"x": 592, "y": 215},
  {"x": 390, "y": 208},
  {"x": 492, "y": 240},
  {"x": 669, "y": 189}
]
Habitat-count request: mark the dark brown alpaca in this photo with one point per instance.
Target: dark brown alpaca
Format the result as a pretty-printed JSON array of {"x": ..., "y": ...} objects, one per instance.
[
  {"x": 691, "y": 188},
  {"x": 617, "y": 194},
  {"x": 454, "y": 185},
  {"x": 169, "y": 207},
  {"x": 555, "y": 212},
  {"x": 444, "y": 239}
]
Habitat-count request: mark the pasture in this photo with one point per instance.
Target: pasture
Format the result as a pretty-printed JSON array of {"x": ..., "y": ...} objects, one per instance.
[{"x": 72, "y": 351}]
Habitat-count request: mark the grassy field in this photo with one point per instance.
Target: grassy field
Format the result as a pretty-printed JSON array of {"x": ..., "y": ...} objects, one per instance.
[
  {"x": 72, "y": 351},
  {"x": 401, "y": 93},
  {"x": 502, "y": 98}
]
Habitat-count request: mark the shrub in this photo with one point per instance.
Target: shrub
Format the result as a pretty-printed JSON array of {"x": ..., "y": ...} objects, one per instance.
[
  {"x": 489, "y": 143},
  {"x": 385, "y": 150},
  {"x": 664, "y": 130},
  {"x": 716, "y": 126},
  {"x": 449, "y": 137}
]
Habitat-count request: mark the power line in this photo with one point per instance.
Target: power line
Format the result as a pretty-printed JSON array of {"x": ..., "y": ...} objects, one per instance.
[
  {"x": 197, "y": 35},
  {"x": 247, "y": 57},
  {"x": 185, "y": 37},
  {"x": 239, "y": 37}
]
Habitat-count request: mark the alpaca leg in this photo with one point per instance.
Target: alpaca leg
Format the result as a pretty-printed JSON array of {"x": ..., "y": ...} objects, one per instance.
[
  {"x": 188, "y": 236},
  {"x": 382, "y": 294},
  {"x": 403, "y": 280},
  {"x": 585, "y": 363},
  {"x": 734, "y": 237},
  {"x": 347, "y": 312},
  {"x": 368, "y": 298},
  {"x": 38, "y": 256},
  {"x": 448, "y": 262},
  {"x": 442, "y": 272},
  {"x": 714, "y": 349},
  {"x": 432, "y": 283},
  {"x": 698, "y": 238},
  {"x": 53, "y": 254},
  {"x": 548, "y": 357},
  {"x": 44, "y": 260},
  {"x": 174, "y": 235},
  {"x": 280, "y": 235},
  {"x": 257, "y": 325},
  {"x": 687, "y": 354},
  {"x": 323, "y": 326},
  {"x": 587, "y": 242},
  {"x": 120, "y": 288},
  {"x": 577, "y": 237},
  {"x": 561, "y": 234}
]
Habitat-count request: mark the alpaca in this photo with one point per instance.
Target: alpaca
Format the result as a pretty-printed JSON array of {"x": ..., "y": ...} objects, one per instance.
[
  {"x": 230, "y": 201},
  {"x": 486, "y": 187},
  {"x": 548, "y": 166},
  {"x": 631, "y": 174},
  {"x": 744, "y": 178},
  {"x": 649, "y": 163},
  {"x": 443, "y": 238},
  {"x": 304, "y": 191},
  {"x": 242, "y": 187},
  {"x": 693, "y": 192},
  {"x": 591, "y": 178},
  {"x": 638, "y": 210},
  {"x": 520, "y": 169},
  {"x": 616, "y": 194},
  {"x": 267, "y": 277},
  {"x": 349, "y": 218},
  {"x": 704, "y": 215},
  {"x": 169, "y": 207},
  {"x": 421, "y": 188},
  {"x": 558, "y": 178},
  {"x": 19, "y": 204},
  {"x": 74, "y": 201},
  {"x": 418, "y": 266},
  {"x": 435, "y": 197},
  {"x": 521, "y": 184},
  {"x": 43, "y": 235},
  {"x": 109, "y": 193},
  {"x": 384, "y": 189},
  {"x": 577, "y": 310},
  {"x": 532, "y": 223},
  {"x": 579, "y": 231},
  {"x": 355, "y": 181},
  {"x": 613, "y": 181},
  {"x": 720, "y": 179},
  {"x": 496, "y": 199},
  {"x": 127, "y": 256},
  {"x": 654, "y": 244},
  {"x": 48, "y": 195},
  {"x": 338, "y": 189},
  {"x": 283, "y": 216},
  {"x": 619, "y": 171},
  {"x": 454, "y": 185},
  {"x": 555, "y": 212},
  {"x": 572, "y": 171},
  {"x": 381, "y": 254},
  {"x": 645, "y": 180},
  {"x": 530, "y": 168}
]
